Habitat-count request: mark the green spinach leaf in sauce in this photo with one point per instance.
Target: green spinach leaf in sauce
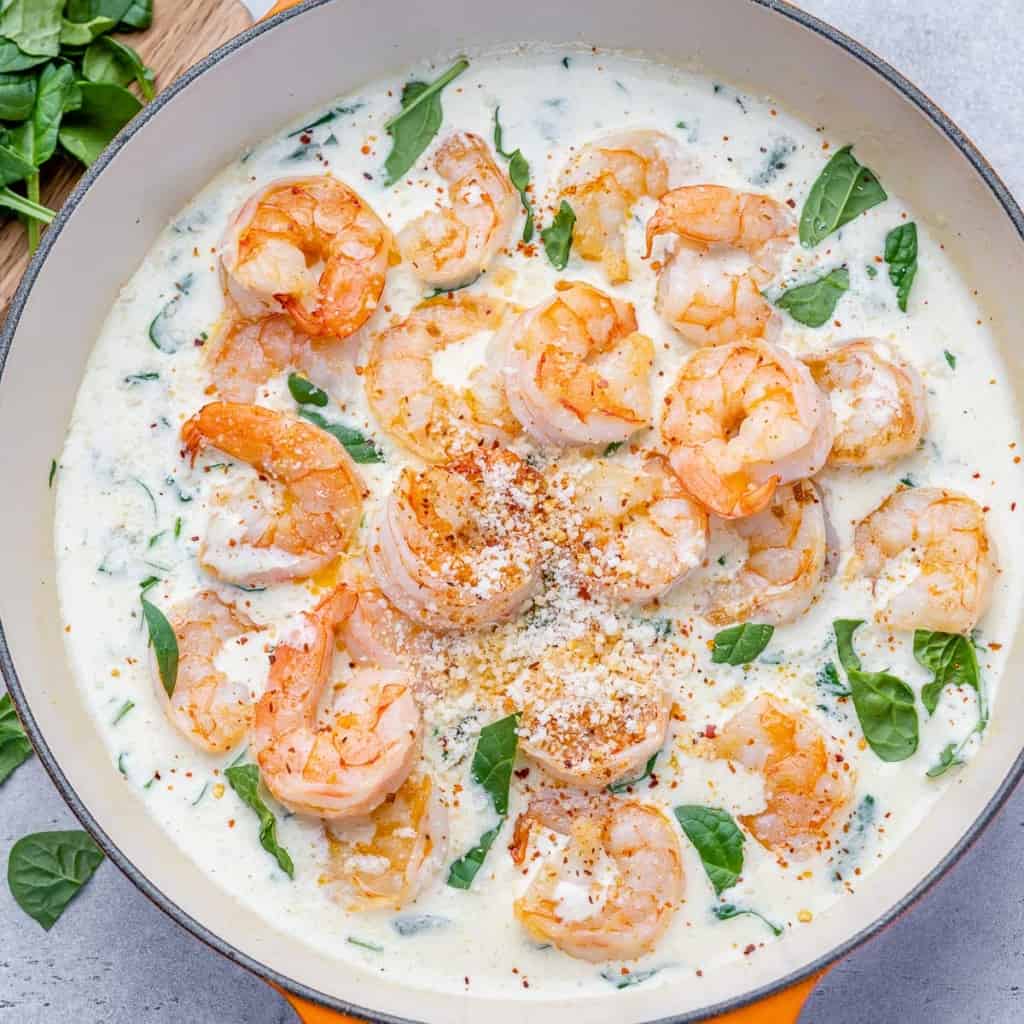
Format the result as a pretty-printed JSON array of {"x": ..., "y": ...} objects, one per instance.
[
  {"x": 519, "y": 175},
  {"x": 245, "y": 781},
  {"x": 413, "y": 128},
  {"x": 557, "y": 236},
  {"x": 844, "y": 190},
  {"x": 361, "y": 448},
  {"x": 884, "y": 703},
  {"x": 727, "y": 911},
  {"x": 717, "y": 839},
  {"x": 305, "y": 392},
  {"x": 813, "y": 304},
  {"x": 901, "y": 255},
  {"x": 740, "y": 645},
  {"x": 952, "y": 660},
  {"x": 47, "y": 870},
  {"x": 165, "y": 644},
  {"x": 625, "y": 784},
  {"x": 15, "y": 748}
]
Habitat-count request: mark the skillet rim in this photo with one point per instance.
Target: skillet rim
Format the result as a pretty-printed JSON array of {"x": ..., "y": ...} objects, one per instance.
[{"x": 810, "y": 22}]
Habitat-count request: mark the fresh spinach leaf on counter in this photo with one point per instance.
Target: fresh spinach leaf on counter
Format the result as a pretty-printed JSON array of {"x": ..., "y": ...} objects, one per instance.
[
  {"x": 844, "y": 190},
  {"x": 492, "y": 770},
  {"x": 717, "y": 839},
  {"x": 623, "y": 785},
  {"x": 901, "y": 255},
  {"x": 361, "y": 448},
  {"x": 15, "y": 748},
  {"x": 244, "y": 779},
  {"x": 33, "y": 25},
  {"x": 82, "y": 33},
  {"x": 518, "y": 173},
  {"x": 952, "y": 660},
  {"x": 47, "y": 870},
  {"x": 813, "y": 304},
  {"x": 107, "y": 60},
  {"x": 557, "y": 236},
  {"x": 884, "y": 703},
  {"x": 727, "y": 911},
  {"x": 106, "y": 108},
  {"x": 413, "y": 128},
  {"x": 17, "y": 96},
  {"x": 740, "y": 645},
  {"x": 306, "y": 392},
  {"x": 165, "y": 644}
]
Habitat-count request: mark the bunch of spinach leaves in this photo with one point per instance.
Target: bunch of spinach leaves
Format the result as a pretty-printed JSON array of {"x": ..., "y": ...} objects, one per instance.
[{"x": 65, "y": 87}]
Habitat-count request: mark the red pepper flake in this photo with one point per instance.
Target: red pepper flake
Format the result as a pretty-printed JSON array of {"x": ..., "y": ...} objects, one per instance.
[{"x": 710, "y": 731}]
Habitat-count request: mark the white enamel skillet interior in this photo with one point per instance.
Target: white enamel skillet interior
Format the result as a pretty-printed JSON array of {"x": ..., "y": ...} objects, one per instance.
[{"x": 246, "y": 91}]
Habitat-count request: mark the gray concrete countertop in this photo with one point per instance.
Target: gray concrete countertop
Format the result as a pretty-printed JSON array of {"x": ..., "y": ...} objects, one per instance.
[{"x": 958, "y": 956}]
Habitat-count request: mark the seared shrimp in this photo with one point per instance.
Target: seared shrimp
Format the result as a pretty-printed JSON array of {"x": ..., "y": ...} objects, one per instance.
[
  {"x": 423, "y": 414},
  {"x": 376, "y": 632},
  {"x": 450, "y": 247},
  {"x": 310, "y": 247},
  {"x": 247, "y": 353},
  {"x": 805, "y": 788},
  {"x": 590, "y": 714},
  {"x": 346, "y": 766},
  {"x": 454, "y": 546},
  {"x": 633, "y": 530},
  {"x": 740, "y": 420},
  {"x": 930, "y": 559},
  {"x": 697, "y": 293},
  {"x": 576, "y": 369},
  {"x": 610, "y": 892},
  {"x": 321, "y": 501},
  {"x": 390, "y": 858},
  {"x": 603, "y": 181},
  {"x": 786, "y": 552},
  {"x": 878, "y": 401},
  {"x": 207, "y": 707}
]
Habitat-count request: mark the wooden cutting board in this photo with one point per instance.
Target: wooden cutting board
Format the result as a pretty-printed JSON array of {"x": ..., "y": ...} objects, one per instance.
[{"x": 182, "y": 33}]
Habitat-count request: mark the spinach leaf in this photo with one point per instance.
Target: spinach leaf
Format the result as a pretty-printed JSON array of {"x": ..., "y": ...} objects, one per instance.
[
  {"x": 122, "y": 711},
  {"x": 33, "y": 25},
  {"x": 36, "y": 140},
  {"x": 612, "y": 448},
  {"x": 557, "y": 236},
  {"x": 519, "y": 175},
  {"x": 13, "y": 59},
  {"x": 416, "y": 124},
  {"x": 856, "y": 832},
  {"x": 244, "y": 779},
  {"x": 950, "y": 359},
  {"x": 108, "y": 60},
  {"x": 901, "y": 255},
  {"x": 615, "y": 976},
  {"x": 844, "y": 190},
  {"x": 162, "y": 332},
  {"x": 828, "y": 680},
  {"x": 165, "y": 645},
  {"x": 813, "y": 304},
  {"x": 625, "y": 784},
  {"x": 106, "y": 108},
  {"x": 949, "y": 758},
  {"x": 17, "y": 95},
  {"x": 717, "y": 839},
  {"x": 14, "y": 745},
  {"x": 13, "y": 166},
  {"x": 305, "y": 392},
  {"x": 952, "y": 660},
  {"x": 492, "y": 770},
  {"x": 363, "y": 944},
  {"x": 47, "y": 870},
  {"x": 414, "y": 924},
  {"x": 727, "y": 911},
  {"x": 82, "y": 33},
  {"x": 884, "y": 703},
  {"x": 740, "y": 645},
  {"x": 361, "y": 448},
  {"x": 138, "y": 16}
]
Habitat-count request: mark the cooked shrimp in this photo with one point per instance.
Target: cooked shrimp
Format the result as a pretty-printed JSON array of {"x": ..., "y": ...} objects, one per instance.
[
  {"x": 321, "y": 501},
  {"x": 786, "y": 552},
  {"x": 930, "y": 559},
  {"x": 576, "y": 369},
  {"x": 592, "y": 713},
  {"x": 376, "y": 632},
  {"x": 247, "y": 353},
  {"x": 452, "y": 246},
  {"x": 697, "y": 292},
  {"x": 610, "y": 892},
  {"x": 878, "y": 401},
  {"x": 348, "y": 765},
  {"x": 426, "y": 416},
  {"x": 603, "y": 181},
  {"x": 454, "y": 546},
  {"x": 389, "y": 859},
  {"x": 311, "y": 247},
  {"x": 740, "y": 420},
  {"x": 633, "y": 530},
  {"x": 805, "y": 788},
  {"x": 207, "y": 707}
]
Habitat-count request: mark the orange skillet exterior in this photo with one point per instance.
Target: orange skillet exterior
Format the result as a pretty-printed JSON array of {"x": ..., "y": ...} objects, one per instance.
[{"x": 781, "y": 1008}]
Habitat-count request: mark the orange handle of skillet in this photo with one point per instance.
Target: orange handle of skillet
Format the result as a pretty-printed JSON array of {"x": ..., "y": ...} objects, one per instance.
[{"x": 782, "y": 1008}]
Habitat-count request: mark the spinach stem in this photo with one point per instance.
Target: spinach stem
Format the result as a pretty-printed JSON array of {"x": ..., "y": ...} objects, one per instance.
[
  {"x": 32, "y": 187},
  {"x": 436, "y": 86},
  {"x": 19, "y": 204}
]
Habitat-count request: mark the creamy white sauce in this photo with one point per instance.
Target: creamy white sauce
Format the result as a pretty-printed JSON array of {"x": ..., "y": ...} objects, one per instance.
[{"x": 123, "y": 487}]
